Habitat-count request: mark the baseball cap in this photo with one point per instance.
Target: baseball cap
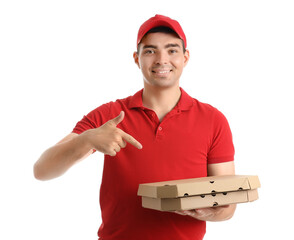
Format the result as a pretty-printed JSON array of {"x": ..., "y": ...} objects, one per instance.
[{"x": 161, "y": 21}]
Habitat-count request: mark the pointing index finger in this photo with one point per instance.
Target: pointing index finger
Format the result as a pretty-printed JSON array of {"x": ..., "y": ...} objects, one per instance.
[{"x": 128, "y": 138}]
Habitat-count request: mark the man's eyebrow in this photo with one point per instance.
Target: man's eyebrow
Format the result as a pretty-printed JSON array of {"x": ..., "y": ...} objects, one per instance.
[
  {"x": 172, "y": 45},
  {"x": 149, "y": 46}
]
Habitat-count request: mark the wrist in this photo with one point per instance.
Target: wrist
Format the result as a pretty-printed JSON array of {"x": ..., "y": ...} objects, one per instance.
[{"x": 83, "y": 142}]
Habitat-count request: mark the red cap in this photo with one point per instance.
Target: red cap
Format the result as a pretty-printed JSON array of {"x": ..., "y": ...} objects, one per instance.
[{"x": 161, "y": 21}]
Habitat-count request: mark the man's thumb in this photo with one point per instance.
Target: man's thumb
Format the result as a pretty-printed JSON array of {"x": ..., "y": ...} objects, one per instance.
[{"x": 119, "y": 118}]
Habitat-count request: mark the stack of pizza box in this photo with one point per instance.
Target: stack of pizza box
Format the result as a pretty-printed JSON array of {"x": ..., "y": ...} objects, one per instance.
[{"x": 194, "y": 193}]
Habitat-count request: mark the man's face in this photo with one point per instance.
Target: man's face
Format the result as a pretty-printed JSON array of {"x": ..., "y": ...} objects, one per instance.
[{"x": 161, "y": 59}]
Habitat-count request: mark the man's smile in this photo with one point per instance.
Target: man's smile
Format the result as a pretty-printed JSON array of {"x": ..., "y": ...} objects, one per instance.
[{"x": 161, "y": 72}]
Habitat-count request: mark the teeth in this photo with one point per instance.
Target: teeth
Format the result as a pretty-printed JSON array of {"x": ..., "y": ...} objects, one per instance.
[{"x": 162, "y": 72}]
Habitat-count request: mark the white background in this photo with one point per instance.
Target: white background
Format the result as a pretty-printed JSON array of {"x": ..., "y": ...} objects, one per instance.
[{"x": 61, "y": 59}]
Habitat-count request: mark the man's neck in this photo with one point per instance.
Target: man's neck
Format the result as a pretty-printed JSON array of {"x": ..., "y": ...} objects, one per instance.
[{"x": 161, "y": 100}]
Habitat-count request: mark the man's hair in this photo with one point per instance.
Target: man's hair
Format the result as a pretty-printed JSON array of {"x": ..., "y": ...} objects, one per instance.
[{"x": 162, "y": 29}]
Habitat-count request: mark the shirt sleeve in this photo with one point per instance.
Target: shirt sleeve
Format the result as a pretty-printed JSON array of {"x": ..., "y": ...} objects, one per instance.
[
  {"x": 94, "y": 119},
  {"x": 222, "y": 147}
]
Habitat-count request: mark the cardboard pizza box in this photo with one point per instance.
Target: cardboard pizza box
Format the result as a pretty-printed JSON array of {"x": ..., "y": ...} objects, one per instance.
[
  {"x": 199, "y": 201},
  {"x": 198, "y": 186}
]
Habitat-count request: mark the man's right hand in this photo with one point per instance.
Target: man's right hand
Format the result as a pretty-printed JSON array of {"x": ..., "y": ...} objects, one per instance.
[{"x": 109, "y": 139}]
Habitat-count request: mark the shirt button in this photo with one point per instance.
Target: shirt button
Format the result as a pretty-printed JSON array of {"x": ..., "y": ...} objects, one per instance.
[{"x": 160, "y": 128}]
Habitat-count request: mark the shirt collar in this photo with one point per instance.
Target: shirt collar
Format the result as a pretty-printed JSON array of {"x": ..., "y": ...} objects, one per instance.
[{"x": 184, "y": 104}]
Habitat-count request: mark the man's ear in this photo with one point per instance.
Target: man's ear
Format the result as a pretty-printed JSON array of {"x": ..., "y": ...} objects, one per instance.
[
  {"x": 136, "y": 58},
  {"x": 187, "y": 57}
]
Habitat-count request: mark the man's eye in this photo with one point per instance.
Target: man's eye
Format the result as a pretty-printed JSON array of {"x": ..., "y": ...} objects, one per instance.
[
  {"x": 173, "y": 51},
  {"x": 149, "y": 51}
]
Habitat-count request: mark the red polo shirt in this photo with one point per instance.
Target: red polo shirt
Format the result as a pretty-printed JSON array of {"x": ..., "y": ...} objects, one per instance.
[{"x": 190, "y": 136}]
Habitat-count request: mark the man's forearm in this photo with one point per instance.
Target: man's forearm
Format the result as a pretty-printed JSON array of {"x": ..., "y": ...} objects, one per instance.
[{"x": 58, "y": 159}]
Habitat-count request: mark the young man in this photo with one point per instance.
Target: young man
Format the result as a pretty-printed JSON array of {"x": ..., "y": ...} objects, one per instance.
[{"x": 158, "y": 134}]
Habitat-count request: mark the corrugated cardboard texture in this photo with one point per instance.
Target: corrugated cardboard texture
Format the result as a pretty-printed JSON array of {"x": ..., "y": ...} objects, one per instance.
[
  {"x": 201, "y": 201},
  {"x": 198, "y": 186}
]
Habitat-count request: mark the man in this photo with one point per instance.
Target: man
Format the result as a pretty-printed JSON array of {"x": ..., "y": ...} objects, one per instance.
[{"x": 158, "y": 134}]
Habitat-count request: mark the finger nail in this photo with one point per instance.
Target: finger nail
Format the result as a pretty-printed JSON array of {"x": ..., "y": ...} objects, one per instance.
[
  {"x": 140, "y": 146},
  {"x": 188, "y": 213},
  {"x": 180, "y": 213},
  {"x": 199, "y": 211}
]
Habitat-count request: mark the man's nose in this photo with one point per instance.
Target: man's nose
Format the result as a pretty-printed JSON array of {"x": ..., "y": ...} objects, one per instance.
[{"x": 161, "y": 58}]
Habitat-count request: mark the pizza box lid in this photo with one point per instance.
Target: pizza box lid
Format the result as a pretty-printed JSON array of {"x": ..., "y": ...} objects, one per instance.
[{"x": 198, "y": 186}]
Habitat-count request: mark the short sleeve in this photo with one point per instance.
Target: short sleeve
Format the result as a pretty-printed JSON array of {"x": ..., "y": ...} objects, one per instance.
[
  {"x": 94, "y": 119},
  {"x": 222, "y": 147}
]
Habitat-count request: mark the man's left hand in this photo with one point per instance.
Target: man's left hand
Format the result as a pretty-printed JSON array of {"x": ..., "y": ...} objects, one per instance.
[{"x": 210, "y": 214}]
